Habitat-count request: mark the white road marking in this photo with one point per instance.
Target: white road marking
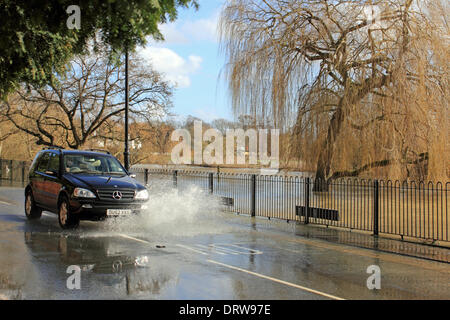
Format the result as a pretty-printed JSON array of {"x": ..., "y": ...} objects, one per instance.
[
  {"x": 209, "y": 248},
  {"x": 192, "y": 249},
  {"x": 277, "y": 280},
  {"x": 7, "y": 203},
  {"x": 253, "y": 251},
  {"x": 217, "y": 248},
  {"x": 225, "y": 246},
  {"x": 133, "y": 238},
  {"x": 223, "y": 249},
  {"x": 222, "y": 252}
]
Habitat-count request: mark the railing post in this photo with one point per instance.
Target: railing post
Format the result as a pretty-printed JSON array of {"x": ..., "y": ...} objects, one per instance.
[
  {"x": 376, "y": 207},
  {"x": 175, "y": 178},
  {"x": 11, "y": 170},
  {"x": 146, "y": 176},
  {"x": 23, "y": 173},
  {"x": 253, "y": 195},
  {"x": 307, "y": 196},
  {"x": 211, "y": 183}
]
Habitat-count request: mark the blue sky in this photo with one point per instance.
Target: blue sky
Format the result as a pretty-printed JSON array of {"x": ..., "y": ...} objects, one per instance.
[{"x": 190, "y": 57}]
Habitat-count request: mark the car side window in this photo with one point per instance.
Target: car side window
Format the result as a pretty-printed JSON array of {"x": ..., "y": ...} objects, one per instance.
[
  {"x": 43, "y": 162},
  {"x": 54, "y": 163}
]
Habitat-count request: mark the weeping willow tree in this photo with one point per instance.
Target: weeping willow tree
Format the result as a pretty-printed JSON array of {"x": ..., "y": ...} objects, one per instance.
[{"x": 362, "y": 85}]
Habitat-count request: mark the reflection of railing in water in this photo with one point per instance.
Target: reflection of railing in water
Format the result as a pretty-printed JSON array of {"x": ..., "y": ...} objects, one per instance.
[{"x": 409, "y": 209}]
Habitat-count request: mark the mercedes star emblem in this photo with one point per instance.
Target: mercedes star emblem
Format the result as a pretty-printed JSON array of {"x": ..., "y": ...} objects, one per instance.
[{"x": 117, "y": 195}]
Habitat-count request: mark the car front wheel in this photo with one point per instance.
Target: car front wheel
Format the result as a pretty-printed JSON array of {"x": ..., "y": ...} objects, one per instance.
[{"x": 66, "y": 219}]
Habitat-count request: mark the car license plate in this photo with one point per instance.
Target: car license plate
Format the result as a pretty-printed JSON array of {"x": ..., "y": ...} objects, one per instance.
[{"x": 118, "y": 212}]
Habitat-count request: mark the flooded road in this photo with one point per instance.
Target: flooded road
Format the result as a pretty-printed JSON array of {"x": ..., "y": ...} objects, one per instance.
[{"x": 185, "y": 248}]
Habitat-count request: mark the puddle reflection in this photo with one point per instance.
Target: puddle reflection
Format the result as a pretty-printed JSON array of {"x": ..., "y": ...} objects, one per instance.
[{"x": 107, "y": 264}]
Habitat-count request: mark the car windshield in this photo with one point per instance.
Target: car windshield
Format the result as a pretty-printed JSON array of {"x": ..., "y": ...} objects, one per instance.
[{"x": 92, "y": 164}]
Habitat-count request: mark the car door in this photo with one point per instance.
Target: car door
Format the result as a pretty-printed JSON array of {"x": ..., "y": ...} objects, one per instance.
[
  {"x": 38, "y": 181},
  {"x": 52, "y": 181}
]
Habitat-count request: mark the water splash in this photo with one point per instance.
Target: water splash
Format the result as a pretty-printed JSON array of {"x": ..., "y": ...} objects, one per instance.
[{"x": 175, "y": 212}]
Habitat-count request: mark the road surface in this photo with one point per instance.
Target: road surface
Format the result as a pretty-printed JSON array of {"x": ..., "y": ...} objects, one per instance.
[{"x": 184, "y": 248}]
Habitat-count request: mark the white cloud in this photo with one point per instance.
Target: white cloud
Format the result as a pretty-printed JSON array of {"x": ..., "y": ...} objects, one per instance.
[
  {"x": 202, "y": 29},
  {"x": 188, "y": 31},
  {"x": 206, "y": 114},
  {"x": 172, "y": 34},
  {"x": 175, "y": 68}
]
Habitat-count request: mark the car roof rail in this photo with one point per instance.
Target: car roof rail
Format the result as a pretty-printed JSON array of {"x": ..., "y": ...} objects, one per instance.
[
  {"x": 99, "y": 150},
  {"x": 53, "y": 148}
]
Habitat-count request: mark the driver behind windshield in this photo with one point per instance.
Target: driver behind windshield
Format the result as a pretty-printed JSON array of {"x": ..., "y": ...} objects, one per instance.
[{"x": 92, "y": 165}]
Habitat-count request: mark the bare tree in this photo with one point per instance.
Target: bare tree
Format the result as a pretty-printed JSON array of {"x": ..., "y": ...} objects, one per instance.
[
  {"x": 158, "y": 134},
  {"x": 223, "y": 125},
  {"x": 89, "y": 98},
  {"x": 346, "y": 71}
]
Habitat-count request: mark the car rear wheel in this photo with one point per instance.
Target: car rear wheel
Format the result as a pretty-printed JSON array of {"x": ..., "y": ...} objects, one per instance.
[
  {"x": 32, "y": 211},
  {"x": 66, "y": 219}
]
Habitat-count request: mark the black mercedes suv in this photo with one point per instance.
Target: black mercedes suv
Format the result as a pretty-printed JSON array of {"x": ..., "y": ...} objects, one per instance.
[{"x": 81, "y": 185}]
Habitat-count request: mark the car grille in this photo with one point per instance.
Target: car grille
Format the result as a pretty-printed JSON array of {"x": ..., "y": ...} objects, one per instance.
[{"x": 107, "y": 194}]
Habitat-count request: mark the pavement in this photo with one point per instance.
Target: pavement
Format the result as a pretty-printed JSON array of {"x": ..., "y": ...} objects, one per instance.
[{"x": 184, "y": 247}]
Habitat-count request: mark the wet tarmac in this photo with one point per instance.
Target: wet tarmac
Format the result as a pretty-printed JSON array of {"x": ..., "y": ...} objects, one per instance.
[{"x": 187, "y": 249}]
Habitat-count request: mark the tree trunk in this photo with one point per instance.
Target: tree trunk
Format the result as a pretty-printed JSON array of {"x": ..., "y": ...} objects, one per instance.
[
  {"x": 326, "y": 152},
  {"x": 351, "y": 96}
]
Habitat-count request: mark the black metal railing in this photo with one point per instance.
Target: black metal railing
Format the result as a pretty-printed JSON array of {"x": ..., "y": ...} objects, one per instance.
[
  {"x": 408, "y": 209},
  {"x": 14, "y": 172}
]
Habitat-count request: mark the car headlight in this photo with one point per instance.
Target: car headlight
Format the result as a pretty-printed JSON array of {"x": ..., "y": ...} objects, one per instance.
[
  {"x": 83, "y": 193},
  {"x": 142, "y": 195}
]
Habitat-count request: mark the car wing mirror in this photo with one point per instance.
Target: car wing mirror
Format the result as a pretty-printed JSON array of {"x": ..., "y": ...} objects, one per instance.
[{"x": 132, "y": 175}]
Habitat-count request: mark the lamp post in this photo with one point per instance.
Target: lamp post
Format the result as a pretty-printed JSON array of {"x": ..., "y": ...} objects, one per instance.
[{"x": 126, "y": 153}]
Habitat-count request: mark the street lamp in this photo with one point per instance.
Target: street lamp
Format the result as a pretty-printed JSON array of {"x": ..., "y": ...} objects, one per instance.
[{"x": 126, "y": 153}]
